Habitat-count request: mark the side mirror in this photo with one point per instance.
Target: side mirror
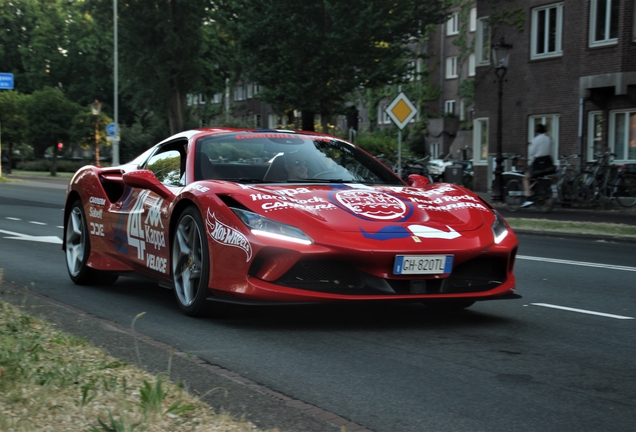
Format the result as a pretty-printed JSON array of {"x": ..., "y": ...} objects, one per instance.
[
  {"x": 145, "y": 179},
  {"x": 417, "y": 180}
]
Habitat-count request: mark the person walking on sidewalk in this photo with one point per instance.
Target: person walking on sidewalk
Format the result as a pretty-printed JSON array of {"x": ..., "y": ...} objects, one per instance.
[{"x": 540, "y": 157}]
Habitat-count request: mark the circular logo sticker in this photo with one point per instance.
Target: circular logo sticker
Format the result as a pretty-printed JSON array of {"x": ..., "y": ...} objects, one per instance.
[{"x": 372, "y": 204}]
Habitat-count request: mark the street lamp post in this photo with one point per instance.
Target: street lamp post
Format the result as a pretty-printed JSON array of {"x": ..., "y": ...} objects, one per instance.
[
  {"x": 96, "y": 107},
  {"x": 500, "y": 55}
]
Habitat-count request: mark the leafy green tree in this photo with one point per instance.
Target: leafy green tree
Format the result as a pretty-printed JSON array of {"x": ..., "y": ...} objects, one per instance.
[
  {"x": 311, "y": 55},
  {"x": 167, "y": 49},
  {"x": 50, "y": 117},
  {"x": 12, "y": 119}
]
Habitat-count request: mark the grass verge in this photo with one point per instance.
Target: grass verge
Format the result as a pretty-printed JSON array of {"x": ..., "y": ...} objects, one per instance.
[
  {"x": 592, "y": 228},
  {"x": 51, "y": 381}
]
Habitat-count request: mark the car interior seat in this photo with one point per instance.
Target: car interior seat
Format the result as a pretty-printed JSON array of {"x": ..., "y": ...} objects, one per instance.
[{"x": 206, "y": 169}]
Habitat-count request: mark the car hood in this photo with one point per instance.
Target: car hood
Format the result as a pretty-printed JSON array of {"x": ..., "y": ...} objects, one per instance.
[{"x": 356, "y": 207}]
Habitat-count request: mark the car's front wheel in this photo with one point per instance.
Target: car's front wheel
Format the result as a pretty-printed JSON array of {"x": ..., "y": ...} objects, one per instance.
[
  {"x": 190, "y": 263},
  {"x": 78, "y": 248}
]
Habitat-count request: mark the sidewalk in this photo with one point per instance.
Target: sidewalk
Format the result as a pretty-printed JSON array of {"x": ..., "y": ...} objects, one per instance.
[{"x": 612, "y": 213}]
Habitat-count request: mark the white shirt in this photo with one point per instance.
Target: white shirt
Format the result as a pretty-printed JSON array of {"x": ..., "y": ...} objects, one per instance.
[{"x": 541, "y": 146}]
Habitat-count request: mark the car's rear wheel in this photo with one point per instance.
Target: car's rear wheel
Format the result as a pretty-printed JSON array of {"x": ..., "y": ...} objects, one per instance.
[
  {"x": 447, "y": 305},
  {"x": 190, "y": 263},
  {"x": 78, "y": 249}
]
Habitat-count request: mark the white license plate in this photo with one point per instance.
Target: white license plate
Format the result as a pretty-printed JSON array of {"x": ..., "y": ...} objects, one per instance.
[
  {"x": 516, "y": 193},
  {"x": 423, "y": 264}
]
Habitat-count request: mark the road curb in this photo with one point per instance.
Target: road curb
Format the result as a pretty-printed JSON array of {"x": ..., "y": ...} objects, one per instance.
[{"x": 582, "y": 236}]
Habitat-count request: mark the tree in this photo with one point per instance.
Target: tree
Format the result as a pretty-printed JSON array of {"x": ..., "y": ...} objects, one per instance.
[
  {"x": 167, "y": 50},
  {"x": 50, "y": 118},
  {"x": 311, "y": 55},
  {"x": 12, "y": 119}
]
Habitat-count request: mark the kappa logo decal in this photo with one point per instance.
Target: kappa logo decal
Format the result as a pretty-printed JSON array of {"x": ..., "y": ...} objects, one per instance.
[{"x": 226, "y": 235}]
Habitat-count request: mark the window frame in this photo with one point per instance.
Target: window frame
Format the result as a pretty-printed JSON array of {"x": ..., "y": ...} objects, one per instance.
[
  {"x": 558, "y": 49},
  {"x": 478, "y": 145},
  {"x": 482, "y": 42},
  {"x": 452, "y": 70},
  {"x": 472, "y": 20},
  {"x": 553, "y": 131},
  {"x": 607, "y": 41},
  {"x": 591, "y": 135},
  {"x": 612, "y": 134},
  {"x": 452, "y": 25},
  {"x": 383, "y": 117},
  {"x": 450, "y": 103}
]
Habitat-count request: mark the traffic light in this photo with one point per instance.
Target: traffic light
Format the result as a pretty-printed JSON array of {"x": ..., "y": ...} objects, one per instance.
[{"x": 59, "y": 146}]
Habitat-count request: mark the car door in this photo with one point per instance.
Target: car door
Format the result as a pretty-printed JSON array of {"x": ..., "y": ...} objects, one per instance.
[{"x": 142, "y": 235}]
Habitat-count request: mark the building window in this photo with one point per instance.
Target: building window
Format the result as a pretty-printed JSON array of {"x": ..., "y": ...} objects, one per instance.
[
  {"x": 451, "y": 67},
  {"x": 462, "y": 110},
  {"x": 383, "y": 117},
  {"x": 547, "y": 27},
  {"x": 452, "y": 26},
  {"x": 239, "y": 93},
  {"x": 471, "y": 64},
  {"x": 482, "y": 42},
  {"x": 449, "y": 107},
  {"x": 218, "y": 98},
  {"x": 413, "y": 70},
  {"x": 472, "y": 26},
  {"x": 250, "y": 91},
  {"x": 594, "y": 134},
  {"x": 551, "y": 122},
  {"x": 435, "y": 150},
  {"x": 622, "y": 138},
  {"x": 603, "y": 22},
  {"x": 480, "y": 141}
]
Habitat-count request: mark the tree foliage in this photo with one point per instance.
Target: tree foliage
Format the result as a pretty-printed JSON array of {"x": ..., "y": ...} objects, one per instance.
[
  {"x": 311, "y": 55},
  {"x": 167, "y": 50},
  {"x": 50, "y": 116}
]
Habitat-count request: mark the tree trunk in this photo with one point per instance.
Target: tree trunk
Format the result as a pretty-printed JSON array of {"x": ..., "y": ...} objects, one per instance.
[
  {"x": 308, "y": 120},
  {"x": 176, "y": 114}
]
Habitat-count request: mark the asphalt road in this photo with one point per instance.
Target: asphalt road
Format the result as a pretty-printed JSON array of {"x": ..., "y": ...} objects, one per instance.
[{"x": 560, "y": 359}]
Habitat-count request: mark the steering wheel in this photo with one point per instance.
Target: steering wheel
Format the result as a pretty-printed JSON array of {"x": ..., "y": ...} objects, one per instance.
[{"x": 323, "y": 175}]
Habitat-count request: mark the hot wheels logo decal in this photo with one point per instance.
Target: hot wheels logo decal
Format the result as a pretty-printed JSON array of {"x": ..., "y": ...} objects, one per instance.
[
  {"x": 373, "y": 204},
  {"x": 226, "y": 235}
]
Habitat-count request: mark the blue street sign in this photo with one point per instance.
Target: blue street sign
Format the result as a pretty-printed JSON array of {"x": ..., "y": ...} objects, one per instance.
[
  {"x": 6, "y": 81},
  {"x": 112, "y": 129}
]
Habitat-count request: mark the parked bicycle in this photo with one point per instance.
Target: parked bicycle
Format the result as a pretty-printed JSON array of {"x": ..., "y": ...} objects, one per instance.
[
  {"x": 603, "y": 182},
  {"x": 566, "y": 173}
]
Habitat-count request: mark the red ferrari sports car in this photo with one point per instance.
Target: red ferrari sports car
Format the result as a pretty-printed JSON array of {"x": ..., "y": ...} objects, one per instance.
[{"x": 275, "y": 216}]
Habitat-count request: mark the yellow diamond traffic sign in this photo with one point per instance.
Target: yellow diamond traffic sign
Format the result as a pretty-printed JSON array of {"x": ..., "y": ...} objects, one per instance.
[{"x": 401, "y": 110}]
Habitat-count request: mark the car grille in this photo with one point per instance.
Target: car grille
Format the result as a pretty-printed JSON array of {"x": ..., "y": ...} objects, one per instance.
[{"x": 481, "y": 274}]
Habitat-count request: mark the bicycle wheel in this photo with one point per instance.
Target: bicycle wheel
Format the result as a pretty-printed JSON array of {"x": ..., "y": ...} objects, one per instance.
[
  {"x": 584, "y": 188},
  {"x": 626, "y": 190},
  {"x": 543, "y": 196},
  {"x": 515, "y": 195}
]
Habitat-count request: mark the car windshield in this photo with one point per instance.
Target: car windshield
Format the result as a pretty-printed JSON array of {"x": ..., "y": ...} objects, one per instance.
[{"x": 272, "y": 157}]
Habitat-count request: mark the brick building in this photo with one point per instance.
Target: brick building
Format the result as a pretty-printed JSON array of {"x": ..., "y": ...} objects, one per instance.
[{"x": 572, "y": 67}]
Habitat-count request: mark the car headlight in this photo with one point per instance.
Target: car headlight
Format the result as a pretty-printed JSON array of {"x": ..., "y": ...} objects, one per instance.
[
  {"x": 499, "y": 228},
  {"x": 262, "y": 226}
]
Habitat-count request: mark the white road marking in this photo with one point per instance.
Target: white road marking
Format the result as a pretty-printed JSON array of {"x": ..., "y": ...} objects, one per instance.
[
  {"x": 582, "y": 311},
  {"x": 26, "y": 237},
  {"x": 12, "y": 218},
  {"x": 577, "y": 263},
  {"x": 37, "y": 223}
]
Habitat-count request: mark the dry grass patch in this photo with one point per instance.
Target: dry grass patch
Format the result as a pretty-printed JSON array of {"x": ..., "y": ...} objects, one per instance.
[{"x": 51, "y": 381}]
